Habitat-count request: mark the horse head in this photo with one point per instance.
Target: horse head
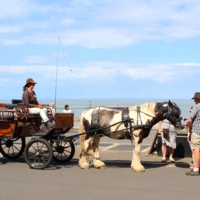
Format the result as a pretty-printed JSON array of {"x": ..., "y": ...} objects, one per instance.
[{"x": 169, "y": 110}]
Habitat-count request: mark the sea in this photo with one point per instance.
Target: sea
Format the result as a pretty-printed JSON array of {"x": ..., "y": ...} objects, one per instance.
[{"x": 79, "y": 105}]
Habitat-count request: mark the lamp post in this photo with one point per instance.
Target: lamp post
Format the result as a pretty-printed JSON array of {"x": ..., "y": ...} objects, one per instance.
[{"x": 90, "y": 103}]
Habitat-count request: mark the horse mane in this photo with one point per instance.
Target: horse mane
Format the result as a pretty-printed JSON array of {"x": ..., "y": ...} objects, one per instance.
[
  {"x": 159, "y": 106},
  {"x": 146, "y": 107}
]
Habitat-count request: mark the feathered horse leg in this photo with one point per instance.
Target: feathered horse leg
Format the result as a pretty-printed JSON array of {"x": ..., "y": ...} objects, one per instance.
[
  {"x": 96, "y": 160},
  {"x": 136, "y": 164},
  {"x": 85, "y": 147}
]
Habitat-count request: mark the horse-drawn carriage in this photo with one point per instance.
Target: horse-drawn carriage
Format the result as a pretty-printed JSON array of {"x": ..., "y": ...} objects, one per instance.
[
  {"x": 16, "y": 124},
  {"x": 132, "y": 123}
]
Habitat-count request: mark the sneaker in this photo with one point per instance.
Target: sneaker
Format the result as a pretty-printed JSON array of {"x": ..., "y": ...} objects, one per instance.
[
  {"x": 49, "y": 125},
  {"x": 192, "y": 173},
  {"x": 43, "y": 128}
]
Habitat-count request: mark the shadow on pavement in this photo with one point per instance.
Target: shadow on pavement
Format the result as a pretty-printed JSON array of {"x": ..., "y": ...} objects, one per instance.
[{"x": 109, "y": 164}]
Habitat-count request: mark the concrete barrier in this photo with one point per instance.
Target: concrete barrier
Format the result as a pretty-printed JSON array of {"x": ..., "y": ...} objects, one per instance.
[{"x": 182, "y": 146}]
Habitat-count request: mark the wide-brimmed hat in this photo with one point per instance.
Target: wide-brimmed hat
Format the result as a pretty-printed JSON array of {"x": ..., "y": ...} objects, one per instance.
[
  {"x": 30, "y": 80},
  {"x": 196, "y": 95}
]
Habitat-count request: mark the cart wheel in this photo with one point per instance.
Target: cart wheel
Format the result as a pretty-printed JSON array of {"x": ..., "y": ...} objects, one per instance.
[
  {"x": 12, "y": 148},
  {"x": 38, "y": 153},
  {"x": 63, "y": 151}
]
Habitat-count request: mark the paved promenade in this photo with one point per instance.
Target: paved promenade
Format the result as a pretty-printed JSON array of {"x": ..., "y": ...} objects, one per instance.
[{"x": 117, "y": 181}]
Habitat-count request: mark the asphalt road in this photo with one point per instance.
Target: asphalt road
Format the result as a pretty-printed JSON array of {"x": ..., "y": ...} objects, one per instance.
[{"x": 117, "y": 181}]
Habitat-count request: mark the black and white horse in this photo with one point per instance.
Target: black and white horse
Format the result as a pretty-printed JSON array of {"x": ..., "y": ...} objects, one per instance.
[{"x": 134, "y": 123}]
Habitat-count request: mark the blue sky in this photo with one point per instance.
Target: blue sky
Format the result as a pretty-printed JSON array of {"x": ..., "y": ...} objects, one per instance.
[{"x": 115, "y": 49}]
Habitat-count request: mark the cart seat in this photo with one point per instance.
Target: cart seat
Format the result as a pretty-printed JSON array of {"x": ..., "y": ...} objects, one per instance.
[
  {"x": 64, "y": 120},
  {"x": 16, "y": 101}
]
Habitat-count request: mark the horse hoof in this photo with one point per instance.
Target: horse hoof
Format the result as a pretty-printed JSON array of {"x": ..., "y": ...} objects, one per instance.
[
  {"x": 103, "y": 167},
  {"x": 138, "y": 170},
  {"x": 85, "y": 168}
]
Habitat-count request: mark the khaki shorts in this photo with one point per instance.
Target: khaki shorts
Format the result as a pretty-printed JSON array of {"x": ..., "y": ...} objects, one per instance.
[{"x": 195, "y": 141}]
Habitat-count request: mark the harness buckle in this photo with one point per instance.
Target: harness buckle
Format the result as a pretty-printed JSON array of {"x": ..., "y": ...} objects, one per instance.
[{"x": 125, "y": 116}]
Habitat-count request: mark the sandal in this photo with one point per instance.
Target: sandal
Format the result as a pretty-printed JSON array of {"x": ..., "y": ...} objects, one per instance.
[
  {"x": 172, "y": 160},
  {"x": 163, "y": 160}
]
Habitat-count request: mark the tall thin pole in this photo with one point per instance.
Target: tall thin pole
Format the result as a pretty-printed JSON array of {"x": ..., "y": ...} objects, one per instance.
[
  {"x": 59, "y": 46},
  {"x": 90, "y": 103},
  {"x": 57, "y": 71},
  {"x": 64, "y": 55}
]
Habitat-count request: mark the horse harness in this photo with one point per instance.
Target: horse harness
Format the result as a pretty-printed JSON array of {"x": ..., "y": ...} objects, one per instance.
[{"x": 129, "y": 127}]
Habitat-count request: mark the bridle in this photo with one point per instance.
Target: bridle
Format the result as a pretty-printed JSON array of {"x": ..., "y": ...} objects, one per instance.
[{"x": 171, "y": 116}]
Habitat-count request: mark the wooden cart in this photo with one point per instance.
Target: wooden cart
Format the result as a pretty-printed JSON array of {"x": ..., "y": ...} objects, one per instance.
[{"x": 16, "y": 124}]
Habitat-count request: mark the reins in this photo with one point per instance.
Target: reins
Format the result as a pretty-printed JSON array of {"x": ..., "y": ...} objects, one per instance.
[
  {"x": 126, "y": 120},
  {"x": 139, "y": 117}
]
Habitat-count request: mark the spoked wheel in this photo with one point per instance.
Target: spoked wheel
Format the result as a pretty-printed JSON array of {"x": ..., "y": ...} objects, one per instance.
[
  {"x": 63, "y": 151},
  {"x": 12, "y": 148},
  {"x": 38, "y": 153}
]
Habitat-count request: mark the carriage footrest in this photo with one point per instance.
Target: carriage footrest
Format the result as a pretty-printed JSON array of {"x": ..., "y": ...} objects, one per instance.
[
  {"x": 44, "y": 133},
  {"x": 39, "y": 134}
]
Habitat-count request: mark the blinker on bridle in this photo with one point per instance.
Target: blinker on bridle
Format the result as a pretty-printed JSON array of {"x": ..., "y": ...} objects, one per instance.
[{"x": 169, "y": 115}]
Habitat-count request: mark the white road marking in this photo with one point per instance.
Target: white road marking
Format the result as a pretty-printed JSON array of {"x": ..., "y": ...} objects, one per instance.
[
  {"x": 111, "y": 146},
  {"x": 147, "y": 149}
]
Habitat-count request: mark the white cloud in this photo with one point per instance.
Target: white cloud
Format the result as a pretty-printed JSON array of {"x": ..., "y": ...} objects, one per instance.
[
  {"x": 30, "y": 69},
  {"x": 162, "y": 73},
  {"x": 14, "y": 8},
  {"x": 109, "y": 71},
  {"x": 37, "y": 59},
  {"x": 188, "y": 64},
  {"x": 109, "y": 24},
  {"x": 8, "y": 29}
]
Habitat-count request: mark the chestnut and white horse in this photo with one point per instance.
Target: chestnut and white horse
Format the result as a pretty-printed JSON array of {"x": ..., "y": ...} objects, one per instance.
[{"x": 116, "y": 124}]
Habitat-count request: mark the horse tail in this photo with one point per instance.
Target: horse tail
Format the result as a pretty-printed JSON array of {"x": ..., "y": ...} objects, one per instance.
[{"x": 88, "y": 151}]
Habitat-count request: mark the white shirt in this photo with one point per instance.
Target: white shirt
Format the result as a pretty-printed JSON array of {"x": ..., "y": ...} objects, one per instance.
[
  {"x": 67, "y": 111},
  {"x": 53, "y": 110}
]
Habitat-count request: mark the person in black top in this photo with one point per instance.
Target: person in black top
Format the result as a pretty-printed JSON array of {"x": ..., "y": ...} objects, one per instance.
[{"x": 30, "y": 100}]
